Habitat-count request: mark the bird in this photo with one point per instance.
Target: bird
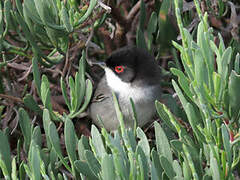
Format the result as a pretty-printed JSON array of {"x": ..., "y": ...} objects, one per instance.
[{"x": 130, "y": 72}]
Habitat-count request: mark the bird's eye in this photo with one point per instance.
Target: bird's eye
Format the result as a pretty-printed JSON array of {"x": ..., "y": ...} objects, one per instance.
[{"x": 119, "y": 69}]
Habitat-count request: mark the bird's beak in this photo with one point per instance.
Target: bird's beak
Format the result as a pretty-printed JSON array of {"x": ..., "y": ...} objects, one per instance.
[{"x": 101, "y": 64}]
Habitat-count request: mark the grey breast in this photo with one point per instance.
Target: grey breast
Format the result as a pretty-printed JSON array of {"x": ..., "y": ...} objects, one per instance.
[{"x": 102, "y": 106}]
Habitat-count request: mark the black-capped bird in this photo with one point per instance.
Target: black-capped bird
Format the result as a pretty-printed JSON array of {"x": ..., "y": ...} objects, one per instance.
[{"x": 130, "y": 72}]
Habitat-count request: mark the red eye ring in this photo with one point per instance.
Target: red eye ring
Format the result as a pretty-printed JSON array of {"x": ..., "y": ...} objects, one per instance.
[{"x": 119, "y": 69}]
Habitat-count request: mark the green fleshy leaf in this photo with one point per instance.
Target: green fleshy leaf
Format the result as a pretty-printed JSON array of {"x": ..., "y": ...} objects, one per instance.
[
  {"x": 5, "y": 156},
  {"x": 233, "y": 92},
  {"x": 226, "y": 143},
  {"x": 161, "y": 110},
  {"x": 194, "y": 121},
  {"x": 186, "y": 171},
  {"x": 179, "y": 93},
  {"x": 14, "y": 169},
  {"x": 97, "y": 142},
  {"x": 92, "y": 162},
  {"x": 188, "y": 151},
  {"x": 140, "y": 39},
  {"x": 88, "y": 97},
  {"x": 45, "y": 93},
  {"x": 37, "y": 136},
  {"x": 35, "y": 161},
  {"x": 143, "y": 162},
  {"x": 237, "y": 64},
  {"x": 183, "y": 81},
  {"x": 167, "y": 166},
  {"x": 217, "y": 85},
  {"x": 156, "y": 162},
  {"x": 177, "y": 145},
  {"x": 200, "y": 69},
  {"x": 154, "y": 175},
  {"x": 163, "y": 146},
  {"x": 25, "y": 125},
  {"x": 32, "y": 104},
  {"x": 83, "y": 168},
  {"x": 7, "y": 15},
  {"x": 73, "y": 94},
  {"x": 83, "y": 144},
  {"x": 65, "y": 19},
  {"x": 22, "y": 173},
  {"x": 178, "y": 170},
  {"x": 64, "y": 92},
  {"x": 82, "y": 80},
  {"x": 143, "y": 142},
  {"x": 152, "y": 26},
  {"x": 19, "y": 7},
  {"x": 36, "y": 75},
  {"x": 92, "y": 5},
  {"x": 108, "y": 170},
  {"x": 55, "y": 141},
  {"x": 70, "y": 142},
  {"x": 142, "y": 15},
  {"x": 46, "y": 122},
  {"x": 214, "y": 167}
]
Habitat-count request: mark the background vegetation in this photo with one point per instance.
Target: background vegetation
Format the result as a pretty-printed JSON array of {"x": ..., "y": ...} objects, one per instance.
[{"x": 47, "y": 78}]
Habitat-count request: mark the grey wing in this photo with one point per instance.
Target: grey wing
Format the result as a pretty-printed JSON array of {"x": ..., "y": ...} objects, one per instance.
[{"x": 102, "y": 106}]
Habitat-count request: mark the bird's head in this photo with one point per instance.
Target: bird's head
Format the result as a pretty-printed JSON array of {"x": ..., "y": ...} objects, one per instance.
[{"x": 131, "y": 66}]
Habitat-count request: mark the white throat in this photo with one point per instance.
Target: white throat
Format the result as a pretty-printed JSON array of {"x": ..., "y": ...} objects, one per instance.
[
  {"x": 115, "y": 83},
  {"x": 125, "y": 89}
]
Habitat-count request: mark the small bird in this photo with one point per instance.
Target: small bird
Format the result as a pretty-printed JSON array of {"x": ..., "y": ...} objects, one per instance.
[{"x": 130, "y": 72}]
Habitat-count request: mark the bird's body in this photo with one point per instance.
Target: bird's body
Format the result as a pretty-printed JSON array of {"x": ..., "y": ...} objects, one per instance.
[{"x": 130, "y": 73}]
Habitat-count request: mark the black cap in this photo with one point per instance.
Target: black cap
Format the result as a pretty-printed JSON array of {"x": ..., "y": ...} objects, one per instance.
[{"x": 132, "y": 64}]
